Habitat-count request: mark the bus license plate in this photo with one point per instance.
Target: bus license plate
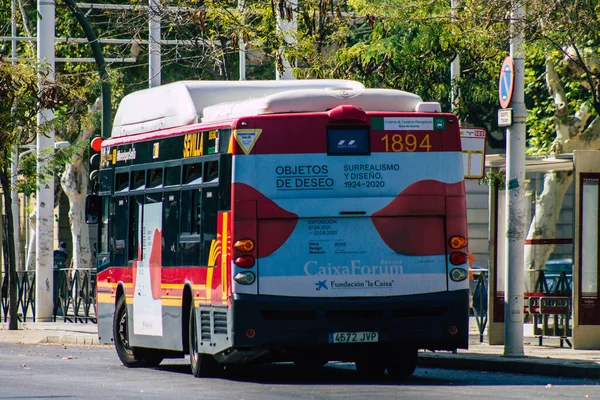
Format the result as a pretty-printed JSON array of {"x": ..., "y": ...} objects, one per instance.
[{"x": 353, "y": 337}]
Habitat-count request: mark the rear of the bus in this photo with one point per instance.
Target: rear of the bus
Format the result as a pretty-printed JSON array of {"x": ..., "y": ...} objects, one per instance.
[{"x": 351, "y": 233}]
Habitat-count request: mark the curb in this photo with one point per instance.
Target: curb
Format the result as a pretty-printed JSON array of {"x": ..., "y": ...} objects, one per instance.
[
  {"x": 521, "y": 365},
  {"x": 66, "y": 339}
]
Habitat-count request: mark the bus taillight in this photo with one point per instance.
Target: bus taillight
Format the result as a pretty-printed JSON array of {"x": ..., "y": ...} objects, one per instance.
[
  {"x": 458, "y": 274},
  {"x": 245, "y": 278},
  {"x": 244, "y": 245},
  {"x": 458, "y": 257},
  {"x": 457, "y": 242},
  {"x": 244, "y": 261}
]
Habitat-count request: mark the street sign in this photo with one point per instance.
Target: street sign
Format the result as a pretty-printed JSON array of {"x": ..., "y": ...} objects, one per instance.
[
  {"x": 472, "y": 141},
  {"x": 505, "y": 117},
  {"x": 506, "y": 83}
]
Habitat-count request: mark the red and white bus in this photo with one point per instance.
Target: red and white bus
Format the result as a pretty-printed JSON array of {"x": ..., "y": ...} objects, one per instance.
[{"x": 307, "y": 221}]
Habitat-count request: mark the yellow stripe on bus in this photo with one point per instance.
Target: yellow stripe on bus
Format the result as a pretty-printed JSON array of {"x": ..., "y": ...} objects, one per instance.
[
  {"x": 209, "y": 278},
  {"x": 224, "y": 241},
  {"x": 105, "y": 298},
  {"x": 102, "y": 284},
  {"x": 171, "y": 302},
  {"x": 181, "y": 285}
]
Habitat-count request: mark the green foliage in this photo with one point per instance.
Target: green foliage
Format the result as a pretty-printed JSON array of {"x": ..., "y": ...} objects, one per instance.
[
  {"x": 494, "y": 178},
  {"x": 18, "y": 108},
  {"x": 406, "y": 44}
]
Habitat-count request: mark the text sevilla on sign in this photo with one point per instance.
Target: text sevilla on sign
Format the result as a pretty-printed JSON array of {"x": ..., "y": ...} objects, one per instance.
[{"x": 506, "y": 82}]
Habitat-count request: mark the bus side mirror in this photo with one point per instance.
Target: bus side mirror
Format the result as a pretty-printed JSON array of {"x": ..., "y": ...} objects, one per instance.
[{"x": 92, "y": 208}]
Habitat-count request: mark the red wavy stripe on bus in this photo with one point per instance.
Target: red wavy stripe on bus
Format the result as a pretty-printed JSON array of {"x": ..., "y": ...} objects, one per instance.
[
  {"x": 275, "y": 225},
  {"x": 155, "y": 265},
  {"x": 413, "y": 223}
]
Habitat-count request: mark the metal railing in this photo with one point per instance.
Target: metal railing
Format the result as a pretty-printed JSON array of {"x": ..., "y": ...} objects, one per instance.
[
  {"x": 74, "y": 295},
  {"x": 479, "y": 300},
  {"x": 550, "y": 305}
]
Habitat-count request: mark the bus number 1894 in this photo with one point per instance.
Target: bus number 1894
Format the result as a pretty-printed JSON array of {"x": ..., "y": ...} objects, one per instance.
[{"x": 405, "y": 143}]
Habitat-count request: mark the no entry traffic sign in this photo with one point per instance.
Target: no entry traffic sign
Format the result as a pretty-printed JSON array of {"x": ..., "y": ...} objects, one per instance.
[{"x": 506, "y": 83}]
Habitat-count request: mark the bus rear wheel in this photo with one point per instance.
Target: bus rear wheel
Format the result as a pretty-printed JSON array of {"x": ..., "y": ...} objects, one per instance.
[
  {"x": 130, "y": 357},
  {"x": 203, "y": 365},
  {"x": 403, "y": 364}
]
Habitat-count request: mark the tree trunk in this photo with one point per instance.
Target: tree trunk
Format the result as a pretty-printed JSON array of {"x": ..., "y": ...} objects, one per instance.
[
  {"x": 30, "y": 262},
  {"x": 74, "y": 182},
  {"x": 11, "y": 268},
  {"x": 543, "y": 224}
]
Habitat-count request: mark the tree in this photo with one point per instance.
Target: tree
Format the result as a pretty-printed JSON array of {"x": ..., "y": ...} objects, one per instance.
[
  {"x": 19, "y": 102},
  {"x": 410, "y": 44},
  {"x": 566, "y": 33}
]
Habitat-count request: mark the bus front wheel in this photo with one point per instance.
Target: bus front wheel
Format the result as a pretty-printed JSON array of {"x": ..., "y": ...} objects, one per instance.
[
  {"x": 203, "y": 365},
  {"x": 130, "y": 357}
]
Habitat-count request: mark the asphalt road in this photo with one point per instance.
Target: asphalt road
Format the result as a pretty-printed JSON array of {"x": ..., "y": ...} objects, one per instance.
[{"x": 81, "y": 372}]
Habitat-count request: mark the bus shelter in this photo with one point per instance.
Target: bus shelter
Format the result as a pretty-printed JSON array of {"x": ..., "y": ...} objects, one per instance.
[
  {"x": 549, "y": 248},
  {"x": 561, "y": 295}
]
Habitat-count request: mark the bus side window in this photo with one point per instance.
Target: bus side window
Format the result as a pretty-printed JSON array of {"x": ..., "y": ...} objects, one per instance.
[
  {"x": 103, "y": 226},
  {"x": 173, "y": 175},
  {"x": 225, "y": 183},
  {"x": 223, "y": 141},
  {"x": 211, "y": 171},
  {"x": 170, "y": 231},
  {"x": 122, "y": 182},
  {"x": 155, "y": 178},
  {"x": 192, "y": 174},
  {"x": 119, "y": 228},
  {"x": 135, "y": 205},
  {"x": 107, "y": 177},
  {"x": 138, "y": 180},
  {"x": 189, "y": 238},
  {"x": 209, "y": 221}
]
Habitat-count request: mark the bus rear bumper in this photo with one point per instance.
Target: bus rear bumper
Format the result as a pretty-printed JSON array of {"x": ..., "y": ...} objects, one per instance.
[{"x": 289, "y": 327}]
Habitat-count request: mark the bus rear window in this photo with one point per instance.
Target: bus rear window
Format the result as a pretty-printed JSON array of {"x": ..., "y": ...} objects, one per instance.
[{"x": 348, "y": 141}]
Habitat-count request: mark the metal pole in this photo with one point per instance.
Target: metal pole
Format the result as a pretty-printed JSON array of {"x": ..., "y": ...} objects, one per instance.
[
  {"x": 454, "y": 67},
  {"x": 242, "y": 50},
  {"x": 45, "y": 193},
  {"x": 14, "y": 164},
  {"x": 154, "y": 40},
  {"x": 289, "y": 29},
  {"x": 515, "y": 195}
]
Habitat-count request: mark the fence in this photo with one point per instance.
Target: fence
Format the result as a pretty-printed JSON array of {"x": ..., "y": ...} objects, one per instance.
[
  {"x": 479, "y": 300},
  {"x": 74, "y": 295},
  {"x": 549, "y": 307}
]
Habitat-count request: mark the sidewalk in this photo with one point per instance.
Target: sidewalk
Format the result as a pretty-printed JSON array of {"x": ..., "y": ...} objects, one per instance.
[
  {"x": 549, "y": 359},
  {"x": 51, "y": 332}
]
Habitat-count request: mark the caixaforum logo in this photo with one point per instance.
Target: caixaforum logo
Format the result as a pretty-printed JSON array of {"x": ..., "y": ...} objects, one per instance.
[{"x": 312, "y": 268}]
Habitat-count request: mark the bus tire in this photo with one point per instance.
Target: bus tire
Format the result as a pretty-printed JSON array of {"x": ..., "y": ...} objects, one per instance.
[
  {"x": 130, "y": 357},
  {"x": 370, "y": 369},
  {"x": 202, "y": 365},
  {"x": 403, "y": 364}
]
